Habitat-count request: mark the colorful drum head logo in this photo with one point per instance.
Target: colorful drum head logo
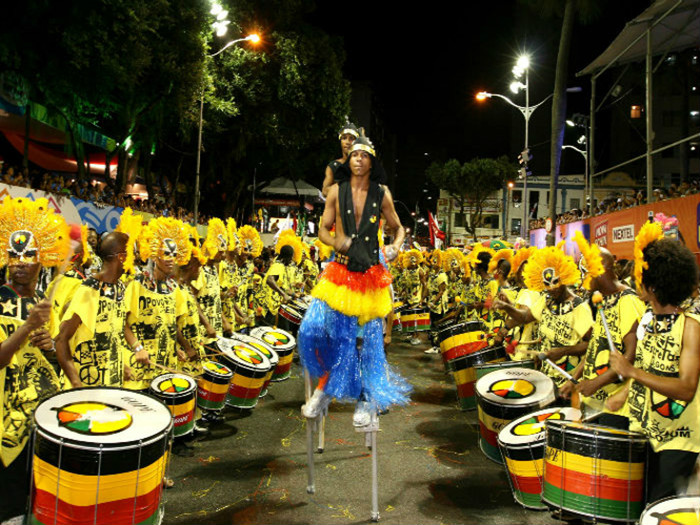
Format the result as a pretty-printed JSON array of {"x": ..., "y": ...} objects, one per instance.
[
  {"x": 174, "y": 385},
  {"x": 93, "y": 418},
  {"x": 275, "y": 338},
  {"x": 247, "y": 354},
  {"x": 535, "y": 425},
  {"x": 512, "y": 388},
  {"x": 678, "y": 517},
  {"x": 667, "y": 407},
  {"x": 262, "y": 349},
  {"x": 217, "y": 368},
  {"x": 602, "y": 362}
]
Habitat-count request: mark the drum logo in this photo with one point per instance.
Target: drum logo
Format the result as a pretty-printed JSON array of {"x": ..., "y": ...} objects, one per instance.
[
  {"x": 216, "y": 368},
  {"x": 535, "y": 425},
  {"x": 677, "y": 517},
  {"x": 275, "y": 338},
  {"x": 247, "y": 354},
  {"x": 512, "y": 388},
  {"x": 174, "y": 385},
  {"x": 93, "y": 418},
  {"x": 261, "y": 349}
]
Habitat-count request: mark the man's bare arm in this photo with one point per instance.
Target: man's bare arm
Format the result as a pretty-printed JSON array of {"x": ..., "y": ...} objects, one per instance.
[
  {"x": 328, "y": 181},
  {"x": 393, "y": 222}
]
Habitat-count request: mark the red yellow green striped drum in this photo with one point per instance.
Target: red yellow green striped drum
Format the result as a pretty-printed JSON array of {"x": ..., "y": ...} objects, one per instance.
[
  {"x": 594, "y": 471},
  {"x": 415, "y": 320},
  {"x": 461, "y": 339},
  {"x": 283, "y": 343},
  {"x": 522, "y": 446},
  {"x": 178, "y": 392},
  {"x": 506, "y": 395},
  {"x": 398, "y": 308},
  {"x": 250, "y": 368},
  {"x": 677, "y": 510},
  {"x": 464, "y": 372},
  {"x": 482, "y": 370},
  {"x": 100, "y": 455},
  {"x": 213, "y": 385},
  {"x": 266, "y": 350}
]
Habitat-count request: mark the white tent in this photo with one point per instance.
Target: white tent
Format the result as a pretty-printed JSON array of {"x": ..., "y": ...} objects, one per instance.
[{"x": 284, "y": 186}]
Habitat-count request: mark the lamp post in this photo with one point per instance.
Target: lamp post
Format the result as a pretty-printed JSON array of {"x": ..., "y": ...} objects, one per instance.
[
  {"x": 506, "y": 228},
  {"x": 252, "y": 38},
  {"x": 581, "y": 121}
]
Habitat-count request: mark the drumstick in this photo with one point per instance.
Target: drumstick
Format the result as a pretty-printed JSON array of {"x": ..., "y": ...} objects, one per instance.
[
  {"x": 598, "y": 298},
  {"x": 214, "y": 350},
  {"x": 531, "y": 342},
  {"x": 543, "y": 357}
]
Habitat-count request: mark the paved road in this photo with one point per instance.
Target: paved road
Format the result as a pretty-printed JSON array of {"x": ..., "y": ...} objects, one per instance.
[{"x": 252, "y": 469}]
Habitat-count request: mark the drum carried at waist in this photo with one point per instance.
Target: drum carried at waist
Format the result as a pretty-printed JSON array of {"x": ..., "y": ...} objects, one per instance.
[
  {"x": 464, "y": 372},
  {"x": 482, "y": 370},
  {"x": 178, "y": 393},
  {"x": 213, "y": 385},
  {"x": 461, "y": 339},
  {"x": 506, "y": 395},
  {"x": 522, "y": 444},
  {"x": 250, "y": 368},
  {"x": 266, "y": 350},
  {"x": 100, "y": 456},
  {"x": 594, "y": 471},
  {"x": 416, "y": 319},
  {"x": 283, "y": 343}
]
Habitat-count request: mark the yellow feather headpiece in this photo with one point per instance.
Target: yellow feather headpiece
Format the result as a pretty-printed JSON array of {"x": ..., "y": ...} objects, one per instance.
[
  {"x": 131, "y": 225},
  {"x": 323, "y": 250},
  {"x": 194, "y": 239},
  {"x": 519, "y": 258},
  {"x": 591, "y": 262},
  {"x": 31, "y": 231},
  {"x": 165, "y": 237},
  {"x": 502, "y": 254},
  {"x": 412, "y": 254},
  {"x": 250, "y": 240},
  {"x": 477, "y": 249},
  {"x": 232, "y": 234},
  {"x": 435, "y": 257},
  {"x": 217, "y": 238},
  {"x": 549, "y": 268},
  {"x": 452, "y": 259},
  {"x": 289, "y": 238},
  {"x": 650, "y": 232}
]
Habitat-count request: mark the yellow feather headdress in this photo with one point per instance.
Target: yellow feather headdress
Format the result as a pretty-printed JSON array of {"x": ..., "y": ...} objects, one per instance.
[
  {"x": 650, "y": 232},
  {"x": 232, "y": 234},
  {"x": 194, "y": 239},
  {"x": 591, "y": 262},
  {"x": 323, "y": 250},
  {"x": 522, "y": 255},
  {"x": 412, "y": 254},
  {"x": 131, "y": 225},
  {"x": 165, "y": 237},
  {"x": 31, "y": 231},
  {"x": 250, "y": 240},
  {"x": 217, "y": 238},
  {"x": 502, "y": 254},
  {"x": 477, "y": 249},
  {"x": 549, "y": 268},
  {"x": 289, "y": 238},
  {"x": 452, "y": 259},
  {"x": 435, "y": 257}
]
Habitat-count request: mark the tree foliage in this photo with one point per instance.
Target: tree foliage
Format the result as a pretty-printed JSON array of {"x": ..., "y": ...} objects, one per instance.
[{"x": 471, "y": 184}]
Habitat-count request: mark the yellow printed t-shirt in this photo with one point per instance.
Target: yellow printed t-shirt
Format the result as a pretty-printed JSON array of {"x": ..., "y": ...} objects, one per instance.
[
  {"x": 189, "y": 326},
  {"x": 561, "y": 325},
  {"x": 438, "y": 302},
  {"x": 152, "y": 309},
  {"x": 65, "y": 287},
  {"x": 284, "y": 280},
  {"x": 98, "y": 344},
  {"x": 669, "y": 424},
  {"x": 528, "y": 332},
  {"x": 25, "y": 381},
  {"x": 622, "y": 310},
  {"x": 412, "y": 286}
]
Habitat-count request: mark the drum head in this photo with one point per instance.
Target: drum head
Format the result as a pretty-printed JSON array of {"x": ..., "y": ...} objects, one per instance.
[
  {"x": 102, "y": 416},
  {"x": 276, "y": 338},
  {"x": 173, "y": 385},
  {"x": 259, "y": 345},
  {"x": 516, "y": 386},
  {"x": 530, "y": 428},
  {"x": 680, "y": 510},
  {"x": 217, "y": 369},
  {"x": 244, "y": 355}
]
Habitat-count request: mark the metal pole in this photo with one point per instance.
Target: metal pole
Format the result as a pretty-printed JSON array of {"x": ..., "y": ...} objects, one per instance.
[
  {"x": 525, "y": 227},
  {"x": 650, "y": 130},
  {"x": 199, "y": 158},
  {"x": 590, "y": 143},
  {"x": 252, "y": 203}
]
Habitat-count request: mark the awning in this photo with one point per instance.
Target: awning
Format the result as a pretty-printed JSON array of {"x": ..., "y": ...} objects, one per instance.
[
  {"x": 284, "y": 186},
  {"x": 678, "y": 30}
]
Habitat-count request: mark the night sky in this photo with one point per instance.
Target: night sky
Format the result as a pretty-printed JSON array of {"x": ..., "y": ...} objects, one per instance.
[{"x": 426, "y": 64}]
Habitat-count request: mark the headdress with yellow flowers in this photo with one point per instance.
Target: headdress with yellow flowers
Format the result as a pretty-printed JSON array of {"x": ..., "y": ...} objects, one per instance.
[
  {"x": 323, "y": 250},
  {"x": 650, "y": 232},
  {"x": 412, "y": 256},
  {"x": 130, "y": 225},
  {"x": 452, "y": 259},
  {"x": 522, "y": 255},
  {"x": 549, "y": 268},
  {"x": 197, "y": 251},
  {"x": 232, "y": 234},
  {"x": 217, "y": 238},
  {"x": 477, "y": 249},
  {"x": 165, "y": 237},
  {"x": 591, "y": 261},
  {"x": 289, "y": 238},
  {"x": 250, "y": 240},
  {"x": 30, "y": 231},
  {"x": 504, "y": 254},
  {"x": 435, "y": 258}
]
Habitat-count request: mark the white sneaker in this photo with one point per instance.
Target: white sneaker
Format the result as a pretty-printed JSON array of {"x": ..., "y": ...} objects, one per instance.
[
  {"x": 415, "y": 341},
  {"x": 317, "y": 405},
  {"x": 433, "y": 350},
  {"x": 17, "y": 520},
  {"x": 363, "y": 414}
]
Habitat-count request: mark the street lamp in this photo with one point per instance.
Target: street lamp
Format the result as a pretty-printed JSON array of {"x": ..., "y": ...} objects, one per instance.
[
  {"x": 581, "y": 121},
  {"x": 254, "y": 38},
  {"x": 506, "y": 228}
]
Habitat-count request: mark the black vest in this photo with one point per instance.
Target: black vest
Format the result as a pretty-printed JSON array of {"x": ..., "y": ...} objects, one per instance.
[{"x": 364, "y": 250}]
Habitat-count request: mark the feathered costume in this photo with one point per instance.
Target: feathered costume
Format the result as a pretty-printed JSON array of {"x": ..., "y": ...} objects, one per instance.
[{"x": 342, "y": 333}]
